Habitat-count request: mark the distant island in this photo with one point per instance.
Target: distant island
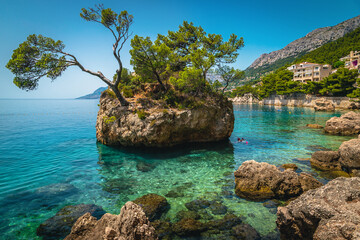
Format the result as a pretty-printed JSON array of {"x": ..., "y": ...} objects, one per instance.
[{"x": 95, "y": 95}]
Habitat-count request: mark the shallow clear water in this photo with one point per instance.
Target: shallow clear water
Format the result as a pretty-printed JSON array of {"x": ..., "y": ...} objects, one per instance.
[{"x": 47, "y": 142}]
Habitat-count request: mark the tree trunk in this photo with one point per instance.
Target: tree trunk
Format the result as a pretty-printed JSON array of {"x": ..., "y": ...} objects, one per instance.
[{"x": 120, "y": 96}]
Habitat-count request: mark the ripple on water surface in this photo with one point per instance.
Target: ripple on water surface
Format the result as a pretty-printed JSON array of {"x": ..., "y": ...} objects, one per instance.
[{"x": 52, "y": 160}]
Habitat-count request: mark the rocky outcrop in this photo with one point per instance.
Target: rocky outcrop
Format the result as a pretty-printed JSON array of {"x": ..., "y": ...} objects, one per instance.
[
  {"x": 153, "y": 205},
  {"x": 349, "y": 152},
  {"x": 328, "y": 212},
  {"x": 248, "y": 98},
  {"x": 314, "y": 126},
  {"x": 306, "y": 100},
  {"x": 323, "y": 105},
  {"x": 154, "y": 126},
  {"x": 131, "y": 223},
  {"x": 60, "y": 225},
  {"x": 326, "y": 160},
  {"x": 258, "y": 181},
  {"x": 347, "y": 124},
  {"x": 311, "y": 41},
  {"x": 347, "y": 158}
]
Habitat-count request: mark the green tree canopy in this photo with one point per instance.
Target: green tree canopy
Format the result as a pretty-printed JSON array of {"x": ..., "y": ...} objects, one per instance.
[
  {"x": 340, "y": 83},
  {"x": 229, "y": 74},
  {"x": 41, "y": 56}
]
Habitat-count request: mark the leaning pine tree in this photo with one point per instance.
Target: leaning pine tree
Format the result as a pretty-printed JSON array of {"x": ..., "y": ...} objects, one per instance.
[{"x": 41, "y": 56}]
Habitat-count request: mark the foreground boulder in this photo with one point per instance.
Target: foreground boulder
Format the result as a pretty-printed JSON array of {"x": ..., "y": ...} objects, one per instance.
[
  {"x": 153, "y": 205},
  {"x": 60, "y": 225},
  {"x": 131, "y": 223},
  {"x": 347, "y": 124},
  {"x": 151, "y": 125},
  {"x": 324, "y": 105},
  {"x": 346, "y": 158},
  {"x": 329, "y": 212},
  {"x": 259, "y": 181}
]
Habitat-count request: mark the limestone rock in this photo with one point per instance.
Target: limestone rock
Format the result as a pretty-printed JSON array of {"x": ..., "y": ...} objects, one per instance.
[
  {"x": 188, "y": 227},
  {"x": 291, "y": 166},
  {"x": 326, "y": 160},
  {"x": 315, "y": 126},
  {"x": 60, "y": 225},
  {"x": 258, "y": 181},
  {"x": 324, "y": 105},
  {"x": 350, "y": 154},
  {"x": 324, "y": 213},
  {"x": 153, "y": 205},
  {"x": 347, "y": 124},
  {"x": 117, "y": 125},
  {"x": 131, "y": 223}
]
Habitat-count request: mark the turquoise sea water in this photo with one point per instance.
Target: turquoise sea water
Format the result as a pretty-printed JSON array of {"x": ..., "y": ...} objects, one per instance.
[{"x": 47, "y": 145}]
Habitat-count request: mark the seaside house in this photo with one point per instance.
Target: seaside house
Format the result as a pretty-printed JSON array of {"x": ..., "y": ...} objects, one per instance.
[
  {"x": 352, "y": 61},
  {"x": 310, "y": 72}
]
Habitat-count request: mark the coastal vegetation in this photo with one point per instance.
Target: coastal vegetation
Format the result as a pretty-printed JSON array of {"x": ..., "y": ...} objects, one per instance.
[
  {"x": 171, "y": 70},
  {"x": 342, "y": 83}
]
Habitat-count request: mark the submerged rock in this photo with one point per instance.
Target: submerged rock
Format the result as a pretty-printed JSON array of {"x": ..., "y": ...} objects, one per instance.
[
  {"x": 153, "y": 205},
  {"x": 324, "y": 213},
  {"x": 347, "y": 124},
  {"x": 198, "y": 204},
  {"x": 187, "y": 214},
  {"x": 60, "y": 225},
  {"x": 324, "y": 105},
  {"x": 315, "y": 126},
  {"x": 258, "y": 181},
  {"x": 246, "y": 232},
  {"x": 56, "y": 189},
  {"x": 117, "y": 125},
  {"x": 188, "y": 227},
  {"x": 131, "y": 223},
  {"x": 144, "y": 166},
  {"x": 291, "y": 166}
]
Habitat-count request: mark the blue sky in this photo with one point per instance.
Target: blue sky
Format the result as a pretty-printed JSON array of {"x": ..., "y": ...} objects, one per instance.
[{"x": 265, "y": 26}]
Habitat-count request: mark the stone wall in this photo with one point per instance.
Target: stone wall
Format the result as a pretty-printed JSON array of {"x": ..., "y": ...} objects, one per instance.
[{"x": 297, "y": 100}]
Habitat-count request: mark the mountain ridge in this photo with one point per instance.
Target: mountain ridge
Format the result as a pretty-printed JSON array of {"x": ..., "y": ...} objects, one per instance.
[{"x": 309, "y": 42}]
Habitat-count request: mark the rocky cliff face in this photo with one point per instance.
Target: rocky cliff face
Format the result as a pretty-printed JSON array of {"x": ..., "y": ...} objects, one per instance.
[
  {"x": 157, "y": 127},
  {"x": 311, "y": 41}
]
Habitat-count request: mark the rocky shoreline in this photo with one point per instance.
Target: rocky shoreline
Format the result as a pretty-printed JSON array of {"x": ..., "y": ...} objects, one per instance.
[{"x": 298, "y": 100}]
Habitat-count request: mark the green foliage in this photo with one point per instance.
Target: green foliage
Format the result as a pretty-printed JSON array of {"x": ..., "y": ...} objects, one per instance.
[
  {"x": 111, "y": 93},
  {"x": 109, "y": 120},
  {"x": 195, "y": 48},
  {"x": 313, "y": 87},
  {"x": 127, "y": 91},
  {"x": 280, "y": 82},
  {"x": 189, "y": 81},
  {"x": 340, "y": 83},
  {"x": 338, "y": 64},
  {"x": 142, "y": 114},
  {"x": 229, "y": 75},
  {"x": 242, "y": 90},
  {"x": 151, "y": 60},
  {"x": 35, "y": 58}
]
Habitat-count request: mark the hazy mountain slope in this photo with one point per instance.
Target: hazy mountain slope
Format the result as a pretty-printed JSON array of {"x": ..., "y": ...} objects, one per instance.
[{"x": 96, "y": 94}]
